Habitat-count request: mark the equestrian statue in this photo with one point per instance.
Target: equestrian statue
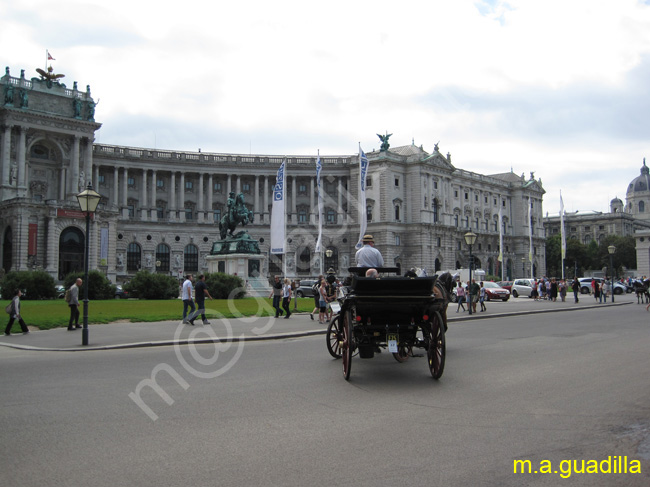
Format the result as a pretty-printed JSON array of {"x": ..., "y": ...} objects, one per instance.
[{"x": 236, "y": 213}]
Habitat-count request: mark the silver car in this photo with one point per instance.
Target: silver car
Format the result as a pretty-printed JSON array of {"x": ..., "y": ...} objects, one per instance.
[{"x": 522, "y": 287}]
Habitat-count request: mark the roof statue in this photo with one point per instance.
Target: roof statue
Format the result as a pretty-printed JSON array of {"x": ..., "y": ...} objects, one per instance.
[
  {"x": 49, "y": 76},
  {"x": 384, "y": 141}
]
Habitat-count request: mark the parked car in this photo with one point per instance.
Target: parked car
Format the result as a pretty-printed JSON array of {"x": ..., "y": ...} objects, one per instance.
[
  {"x": 120, "y": 293},
  {"x": 522, "y": 287},
  {"x": 494, "y": 291},
  {"x": 585, "y": 284},
  {"x": 506, "y": 285},
  {"x": 305, "y": 288}
]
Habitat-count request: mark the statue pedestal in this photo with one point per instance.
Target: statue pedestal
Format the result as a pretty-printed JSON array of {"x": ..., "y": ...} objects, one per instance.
[{"x": 248, "y": 267}]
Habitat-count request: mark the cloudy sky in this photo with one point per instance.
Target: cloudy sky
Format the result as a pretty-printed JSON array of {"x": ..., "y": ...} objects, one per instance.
[{"x": 558, "y": 87}]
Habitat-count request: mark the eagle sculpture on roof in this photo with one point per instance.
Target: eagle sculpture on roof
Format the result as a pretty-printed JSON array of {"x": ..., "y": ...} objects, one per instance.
[{"x": 49, "y": 76}]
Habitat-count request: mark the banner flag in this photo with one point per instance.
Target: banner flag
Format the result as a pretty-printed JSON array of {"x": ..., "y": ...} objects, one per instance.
[
  {"x": 278, "y": 213},
  {"x": 319, "y": 241},
  {"x": 49, "y": 56},
  {"x": 500, "y": 258},
  {"x": 530, "y": 234},
  {"x": 562, "y": 230},
  {"x": 363, "y": 215}
]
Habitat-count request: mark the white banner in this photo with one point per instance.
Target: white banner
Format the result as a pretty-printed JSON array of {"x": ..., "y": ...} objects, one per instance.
[
  {"x": 363, "y": 214},
  {"x": 319, "y": 241},
  {"x": 530, "y": 235},
  {"x": 278, "y": 213}
]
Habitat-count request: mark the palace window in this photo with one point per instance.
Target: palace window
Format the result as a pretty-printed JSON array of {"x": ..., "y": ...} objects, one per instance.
[
  {"x": 160, "y": 183},
  {"x": 191, "y": 258},
  {"x": 133, "y": 256}
]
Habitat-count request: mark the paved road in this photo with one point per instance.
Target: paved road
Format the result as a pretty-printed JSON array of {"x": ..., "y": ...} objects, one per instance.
[{"x": 566, "y": 386}]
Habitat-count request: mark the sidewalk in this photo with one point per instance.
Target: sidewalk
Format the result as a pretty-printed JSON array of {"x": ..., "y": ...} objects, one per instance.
[{"x": 168, "y": 333}]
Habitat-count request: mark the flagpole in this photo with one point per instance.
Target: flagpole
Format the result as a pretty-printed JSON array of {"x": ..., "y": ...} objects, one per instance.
[
  {"x": 320, "y": 216},
  {"x": 284, "y": 243}
]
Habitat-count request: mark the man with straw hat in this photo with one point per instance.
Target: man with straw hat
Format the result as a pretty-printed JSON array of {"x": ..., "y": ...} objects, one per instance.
[{"x": 368, "y": 255}]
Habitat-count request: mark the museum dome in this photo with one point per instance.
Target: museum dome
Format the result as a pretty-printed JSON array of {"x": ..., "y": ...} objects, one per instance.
[{"x": 642, "y": 182}]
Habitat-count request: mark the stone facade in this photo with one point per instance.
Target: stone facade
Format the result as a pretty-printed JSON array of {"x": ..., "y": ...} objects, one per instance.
[{"x": 160, "y": 209}]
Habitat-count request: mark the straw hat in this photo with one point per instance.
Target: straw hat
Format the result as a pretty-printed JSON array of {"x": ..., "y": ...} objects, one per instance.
[{"x": 368, "y": 238}]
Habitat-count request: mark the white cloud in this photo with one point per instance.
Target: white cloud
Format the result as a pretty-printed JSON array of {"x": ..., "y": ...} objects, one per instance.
[{"x": 550, "y": 86}]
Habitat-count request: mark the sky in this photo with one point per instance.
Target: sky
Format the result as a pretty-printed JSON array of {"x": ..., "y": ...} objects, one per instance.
[{"x": 555, "y": 87}]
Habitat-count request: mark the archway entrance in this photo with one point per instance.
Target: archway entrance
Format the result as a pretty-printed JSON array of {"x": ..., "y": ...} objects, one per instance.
[{"x": 71, "y": 251}]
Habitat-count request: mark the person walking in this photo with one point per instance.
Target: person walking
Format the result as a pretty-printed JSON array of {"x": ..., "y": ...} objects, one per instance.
[
  {"x": 460, "y": 296},
  {"x": 316, "y": 290},
  {"x": 606, "y": 289},
  {"x": 286, "y": 297},
  {"x": 562, "y": 288},
  {"x": 15, "y": 314},
  {"x": 474, "y": 291},
  {"x": 553, "y": 290},
  {"x": 186, "y": 296},
  {"x": 576, "y": 288},
  {"x": 73, "y": 302},
  {"x": 200, "y": 292},
  {"x": 276, "y": 294},
  {"x": 597, "y": 292},
  {"x": 481, "y": 297},
  {"x": 322, "y": 302}
]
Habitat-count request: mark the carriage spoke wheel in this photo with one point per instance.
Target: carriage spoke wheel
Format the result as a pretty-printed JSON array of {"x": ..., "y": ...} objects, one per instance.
[
  {"x": 335, "y": 337},
  {"x": 437, "y": 349},
  {"x": 403, "y": 352},
  {"x": 347, "y": 344}
]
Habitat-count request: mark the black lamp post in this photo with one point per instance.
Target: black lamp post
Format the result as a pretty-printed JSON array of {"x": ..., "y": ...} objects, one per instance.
[
  {"x": 470, "y": 239},
  {"x": 88, "y": 201},
  {"x": 611, "y": 249}
]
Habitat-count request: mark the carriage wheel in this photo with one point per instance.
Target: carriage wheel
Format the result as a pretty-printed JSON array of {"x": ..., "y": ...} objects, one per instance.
[
  {"x": 335, "y": 337},
  {"x": 436, "y": 349},
  {"x": 346, "y": 344},
  {"x": 403, "y": 352}
]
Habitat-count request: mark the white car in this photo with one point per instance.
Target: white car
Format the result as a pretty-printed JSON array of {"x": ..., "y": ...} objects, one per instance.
[{"x": 522, "y": 287}]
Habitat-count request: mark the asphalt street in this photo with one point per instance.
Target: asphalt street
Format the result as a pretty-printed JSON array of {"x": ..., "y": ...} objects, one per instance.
[{"x": 542, "y": 387}]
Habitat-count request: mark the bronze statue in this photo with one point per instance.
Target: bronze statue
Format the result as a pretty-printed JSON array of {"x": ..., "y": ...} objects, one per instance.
[
  {"x": 237, "y": 213},
  {"x": 384, "y": 141}
]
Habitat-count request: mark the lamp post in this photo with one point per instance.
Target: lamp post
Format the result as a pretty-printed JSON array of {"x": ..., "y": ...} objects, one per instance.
[
  {"x": 88, "y": 201},
  {"x": 611, "y": 249},
  {"x": 470, "y": 239},
  {"x": 523, "y": 266},
  {"x": 328, "y": 253}
]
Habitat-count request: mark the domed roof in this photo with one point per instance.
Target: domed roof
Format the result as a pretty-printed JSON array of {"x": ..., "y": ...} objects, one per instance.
[
  {"x": 642, "y": 182},
  {"x": 616, "y": 200}
]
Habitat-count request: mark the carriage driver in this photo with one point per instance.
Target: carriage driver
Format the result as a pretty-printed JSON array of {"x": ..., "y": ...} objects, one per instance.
[{"x": 368, "y": 255}]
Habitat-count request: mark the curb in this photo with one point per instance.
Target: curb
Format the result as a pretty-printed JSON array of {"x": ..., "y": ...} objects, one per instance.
[{"x": 280, "y": 336}]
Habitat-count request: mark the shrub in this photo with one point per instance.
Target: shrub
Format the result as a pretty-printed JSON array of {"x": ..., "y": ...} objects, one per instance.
[
  {"x": 220, "y": 285},
  {"x": 35, "y": 284},
  {"x": 99, "y": 286},
  {"x": 147, "y": 285}
]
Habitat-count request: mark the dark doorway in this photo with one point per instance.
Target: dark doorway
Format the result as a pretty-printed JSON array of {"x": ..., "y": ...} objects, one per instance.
[{"x": 71, "y": 252}]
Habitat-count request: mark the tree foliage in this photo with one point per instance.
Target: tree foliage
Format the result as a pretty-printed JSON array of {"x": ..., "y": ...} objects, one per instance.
[
  {"x": 99, "y": 286},
  {"x": 221, "y": 286},
  {"x": 147, "y": 285},
  {"x": 34, "y": 284}
]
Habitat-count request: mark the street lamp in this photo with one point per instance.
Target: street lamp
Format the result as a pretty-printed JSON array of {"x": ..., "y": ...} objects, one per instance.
[
  {"x": 88, "y": 201},
  {"x": 611, "y": 249},
  {"x": 470, "y": 239}
]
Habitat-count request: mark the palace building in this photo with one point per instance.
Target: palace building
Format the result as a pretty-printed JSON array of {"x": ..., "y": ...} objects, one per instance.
[{"x": 160, "y": 208}]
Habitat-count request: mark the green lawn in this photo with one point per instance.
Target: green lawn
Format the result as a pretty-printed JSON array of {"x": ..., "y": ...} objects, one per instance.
[{"x": 54, "y": 313}]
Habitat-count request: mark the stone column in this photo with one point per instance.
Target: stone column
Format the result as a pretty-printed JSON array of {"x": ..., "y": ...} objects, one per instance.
[
  {"x": 88, "y": 163},
  {"x": 199, "y": 202},
  {"x": 256, "y": 201},
  {"x": 20, "y": 160},
  {"x": 210, "y": 198},
  {"x": 265, "y": 214},
  {"x": 228, "y": 185},
  {"x": 5, "y": 151},
  {"x": 143, "y": 197},
  {"x": 172, "y": 197},
  {"x": 181, "y": 198},
  {"x": 238, "y": 186},
  {"x": 293, "y": 200},
  {"x": 125, "y": 187},
  {"x": 116, "y": 187},
  {"x": 339, "y": 210},
  {"x": 74, "y": 169},
  {"x": 51, "y": 246},
  {"x": 312, "y": 209},
  {"x": 154, "y": 196}
]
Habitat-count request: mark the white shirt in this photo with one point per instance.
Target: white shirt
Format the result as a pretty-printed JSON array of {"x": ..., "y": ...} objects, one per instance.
[
  {"x": 368, "y": 256},
  {"x": 187, "y": 290}
]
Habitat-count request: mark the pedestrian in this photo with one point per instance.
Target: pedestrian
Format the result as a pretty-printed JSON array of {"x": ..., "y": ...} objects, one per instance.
[
  {"x": 294, "y": 292},
  {"x": 316, "y": 290},
  {"x": 562, "y": 288},
  {"x": 606, "y": 289},
  {"x": 73, "y": 302},
  {"x": 576, "y": 288},
  {"x": 15, "y": 314},
  {"x": 481, "y": 298},
  {"x": 276, "y": 294},
  {"x": 474, "y": 291},
  {"x": 286, "y": 297},
  {"x": 331, "y": 293},
  {"x": 322, "y": 302},
  {"x": 553, "y": 290},
  {"x": 200, "y": 292},
  {"x": 597, "y": 291},
  {"x": 460, "y": 296},
  {"x": 186, "y": 296}
]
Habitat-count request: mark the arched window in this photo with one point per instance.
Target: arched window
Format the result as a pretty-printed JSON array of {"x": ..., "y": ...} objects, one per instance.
[
  {"x": 369, "y": 212},
  {"x": 304, "y": 261},
  {"x": 397, "y": 213},
  {"x": 191, "y": 263},
  {"x": 162, "y": 256},
  {"x": 133, "y": 257},
  {"x": 438, "y": 265},
  {"x": 641, "y": 207},
  {"x": 71, "y": 251}
]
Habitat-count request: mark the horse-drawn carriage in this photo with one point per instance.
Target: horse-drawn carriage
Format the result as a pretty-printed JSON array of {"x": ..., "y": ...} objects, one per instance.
[{"x": 398, "y": 313}]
